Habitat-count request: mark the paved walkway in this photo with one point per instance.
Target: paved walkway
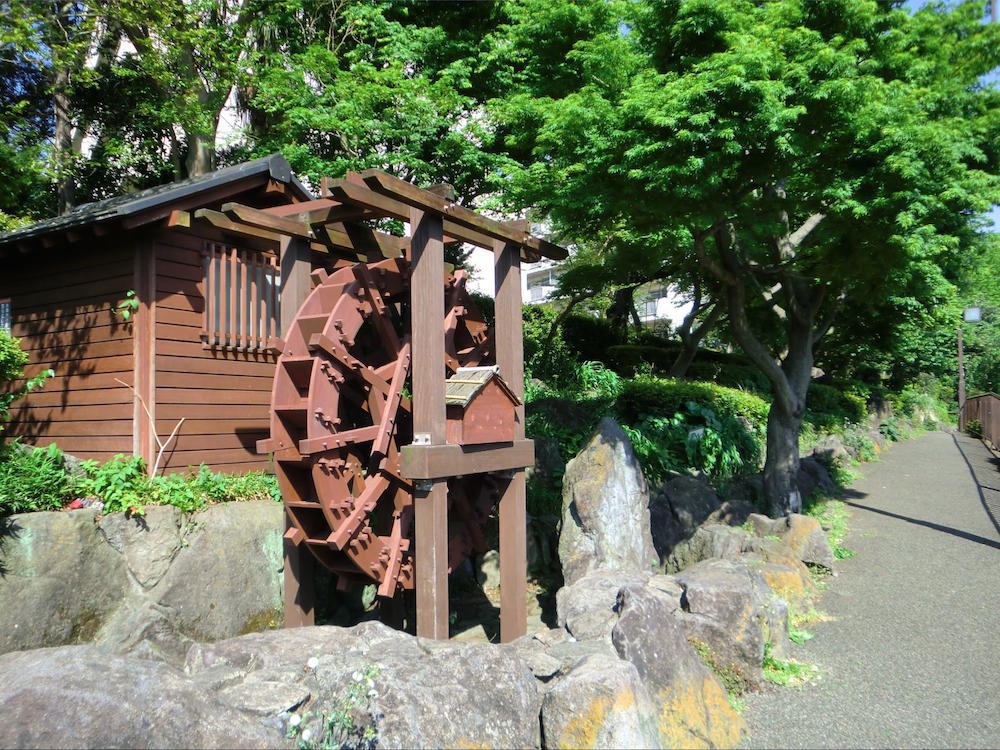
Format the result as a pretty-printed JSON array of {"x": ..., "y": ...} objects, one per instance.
[{"x": 913, "y": 656}]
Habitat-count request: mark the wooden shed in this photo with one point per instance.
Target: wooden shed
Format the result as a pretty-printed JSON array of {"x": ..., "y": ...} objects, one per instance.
[{"x": 194, "y": 348}]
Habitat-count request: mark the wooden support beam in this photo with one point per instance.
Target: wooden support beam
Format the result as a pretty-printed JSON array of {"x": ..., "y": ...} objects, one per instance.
[
  {"x": 349, "y": 191},
  {"x": 179, "y": 219},
  {"x": 257, "y": 218},
  {"x": 300, "y": 573},
  {"x": 442, "y": 461},
  {"x": 425, "y": 200},
  {"x": 513, "y": 516},
  {"x": 430, "y": 501},
  {"x": 144, "y": 351}
]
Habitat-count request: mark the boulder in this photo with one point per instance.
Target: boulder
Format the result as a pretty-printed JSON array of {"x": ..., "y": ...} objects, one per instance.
[
  {"x": 149, "y": 542},
  {"x": 785, "y": 575},
  {"x": 226, "y": 578},
  {"x": 600, "y": 703},
  {"x": 82, "y": 696},
  {"x": 831, "y": 450},
  {"x": 587, "y": 608},
  {"x": 488, "y": 573},
  {"x": 721, "y": 609},
  {"x": 677, "y": 508},
  {"x": 605, "y": 518},
  {"x": 711, "y": 540},
  {"x": 802, "y": 535},
  {"x": 61, "y": 582},
  {"x": 691, "y": 706},
  {"x": 813, "y": 478},
  {"x": 422, "y": 693}
]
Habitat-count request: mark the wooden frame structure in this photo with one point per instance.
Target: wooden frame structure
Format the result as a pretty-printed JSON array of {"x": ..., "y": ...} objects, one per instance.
[{"x": 338, "y": 223}]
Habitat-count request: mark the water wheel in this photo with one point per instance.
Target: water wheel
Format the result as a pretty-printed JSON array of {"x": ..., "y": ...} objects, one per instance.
[{"x": 340, "y": 413}]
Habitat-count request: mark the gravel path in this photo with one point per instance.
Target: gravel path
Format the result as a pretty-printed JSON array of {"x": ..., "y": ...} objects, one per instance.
[{"x": 912, "y": 658}]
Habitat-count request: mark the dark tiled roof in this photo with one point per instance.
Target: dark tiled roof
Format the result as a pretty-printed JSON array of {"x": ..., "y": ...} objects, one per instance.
[{"x": 133, "y": 203}]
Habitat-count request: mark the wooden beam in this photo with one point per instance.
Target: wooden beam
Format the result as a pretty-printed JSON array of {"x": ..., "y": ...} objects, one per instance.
[
  {"x": 179, "y": 219},
  {"x": 257, "y": 218},
  {"x": 437, "y": 461},
  {"x": 296, "y": 284},
  {"x": 426, "y": 200},
  {"x": 221, "y": 221},
  {"x": 144, "y": 352},
  {"x": 430, "y": 502},
  {"x": 513, "y": 515}
]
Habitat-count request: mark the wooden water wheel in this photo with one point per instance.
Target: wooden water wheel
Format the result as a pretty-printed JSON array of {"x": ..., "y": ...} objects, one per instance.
[{"x": 340, "y": 413}]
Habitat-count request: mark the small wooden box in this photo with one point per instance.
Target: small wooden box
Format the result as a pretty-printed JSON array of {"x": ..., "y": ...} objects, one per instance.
[{"x": 480, "y": 407}]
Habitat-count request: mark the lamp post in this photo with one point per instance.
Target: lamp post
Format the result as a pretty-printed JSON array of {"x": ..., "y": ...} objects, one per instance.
[{"x": 969, "y": 315}]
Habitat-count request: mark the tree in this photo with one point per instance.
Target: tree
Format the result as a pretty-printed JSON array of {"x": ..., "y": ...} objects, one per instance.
[{"x": 811, "y": 155}]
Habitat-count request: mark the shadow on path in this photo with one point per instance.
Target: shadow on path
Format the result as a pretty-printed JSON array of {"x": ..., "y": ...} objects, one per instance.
[
  {"x": 929, "y": 524},
  {"x": 979, "y": 485}
]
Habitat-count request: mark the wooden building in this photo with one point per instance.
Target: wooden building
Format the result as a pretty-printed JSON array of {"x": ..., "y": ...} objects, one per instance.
[{"x": 193, "y": 345}]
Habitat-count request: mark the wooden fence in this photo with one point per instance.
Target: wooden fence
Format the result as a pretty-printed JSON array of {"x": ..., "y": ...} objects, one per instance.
[{"x": 986, "y": 410}]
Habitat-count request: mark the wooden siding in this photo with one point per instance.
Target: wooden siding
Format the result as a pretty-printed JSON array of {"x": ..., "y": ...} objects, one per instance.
[
  {"x": 63, "y": 303},
  {"x": 223, "y": 396}
]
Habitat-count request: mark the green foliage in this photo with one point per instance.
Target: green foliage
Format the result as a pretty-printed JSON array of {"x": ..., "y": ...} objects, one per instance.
[
  {"x": 786, "y": 672},
  {"x": 839, "y": 404},
  {"x": 695, "y": 438},
  {"x": 598, "y": 381},
  {"x": 664, "y": 397},
  {"x": 126, "y": 308},
  {"x": 589, "y": 337},
  {"x": 732, "y": 680},
  {"x": 12, "y": 362},
  {"x": 555, "y": 364},
  {"x": 32, "y": 479},
  {"x": 890, "y": 430},
  {"x": 862, "y": 445},
  {"x": 974, "y": 428},
  {"x": 123, "y": 485}
]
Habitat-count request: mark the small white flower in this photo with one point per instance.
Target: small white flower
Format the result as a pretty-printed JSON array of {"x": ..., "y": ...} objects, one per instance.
[
  {"x": 357, "y": 676},
  {"x": 312, "y": 663},
  {"x": 294, "y": 720},
  {"x": 373, "y": 693},
  {"x": 306, "y": 735}
]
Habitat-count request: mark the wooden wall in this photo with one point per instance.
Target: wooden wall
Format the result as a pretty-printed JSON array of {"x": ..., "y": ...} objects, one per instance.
[
  {"x": 223, "y": 396},
  {"x": 63, "y": 302}
]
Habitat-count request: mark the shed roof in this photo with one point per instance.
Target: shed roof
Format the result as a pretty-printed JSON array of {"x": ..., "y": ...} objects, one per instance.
[
  {"x": 463, "y": 386},
  {"x": 120, "y": 206}
]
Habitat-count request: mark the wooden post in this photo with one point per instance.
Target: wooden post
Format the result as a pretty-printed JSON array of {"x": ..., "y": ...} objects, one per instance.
[
  {"x": 513, "y": 518},
  {"x": 300, "y": 567},
  {"x": 430, "y": 498}
]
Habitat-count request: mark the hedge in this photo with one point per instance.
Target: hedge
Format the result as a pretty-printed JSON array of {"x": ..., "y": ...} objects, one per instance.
[{"x": 663, "y": 396}]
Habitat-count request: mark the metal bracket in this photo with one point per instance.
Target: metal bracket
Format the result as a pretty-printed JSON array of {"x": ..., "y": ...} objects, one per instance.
[
  {"x": 422, "y": 438},
  {"x": 423, "y": 485}
]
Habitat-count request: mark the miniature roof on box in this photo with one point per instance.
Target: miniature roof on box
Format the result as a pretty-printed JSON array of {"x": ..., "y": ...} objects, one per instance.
[{"x": 463, "y": 386}]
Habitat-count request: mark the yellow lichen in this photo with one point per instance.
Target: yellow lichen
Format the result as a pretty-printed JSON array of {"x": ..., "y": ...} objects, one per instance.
[
  {"x": 585, "y": 730},
  {"x": 698, "y": 715}
]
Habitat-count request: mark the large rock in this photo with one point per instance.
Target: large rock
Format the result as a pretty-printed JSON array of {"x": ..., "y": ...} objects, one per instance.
[
  {"x": 147, "y": 585},
  {"x": 802, "y": 535},
  {"x": 710, "y": 541},
  {"x": 722, "y": 610},
  {"x": 422, "y": 694},
  {"x": 600, "y": 703},
  {"x": 691, "y": 706},
  {"x": 227, "y": 578},
  {"x": 605, "y": 508},
  {"x": 587, "y": 608},
  {"x": 677, "y": 508},
  {"x": 60, "y": 582},
  {"x": 813, "y": 478},
  {"x": 82, "y": 696}
]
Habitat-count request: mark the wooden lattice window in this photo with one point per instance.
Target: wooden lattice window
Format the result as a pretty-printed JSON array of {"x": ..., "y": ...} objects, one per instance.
[
  {"x": 6, "y": 319},
  {"x": 241, "y": 298}
]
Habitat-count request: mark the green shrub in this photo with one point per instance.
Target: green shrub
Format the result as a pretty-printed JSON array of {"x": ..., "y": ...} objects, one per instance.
[
  {"x": 32, "y": 479},
  {"x": 557, "y": 366},
  {"x": 841, "y": 406},
  {"x": 862, "y": 446},
  {"x": 695, "y": 438},
  {"x": 731, "y": 375},
  {"x": 628, "y": 359},
  {"x": 587, "y": 337},
  {"x": 123, "y": 486},
  {"x": 890, "y": 430},
  {"x": 647, "y": 396}
]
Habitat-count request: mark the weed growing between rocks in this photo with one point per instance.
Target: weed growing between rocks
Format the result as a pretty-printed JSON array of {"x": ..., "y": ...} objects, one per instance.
[
  {"x": 832, "y": 515},
  {"x": 730, "y": 677},
  {"x": 351, "y": 720},
  {"x": 786, "y": 672}
]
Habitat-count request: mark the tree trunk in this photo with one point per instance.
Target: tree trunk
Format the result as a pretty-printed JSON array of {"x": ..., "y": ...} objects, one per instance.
[
  {"x": 689, "y": 348},
  {"x": 63, "y": 143},
  {"x": 691, "y": 337},
  {"x": 781, "y": 468},
  {"x": 200, "y": 153}
]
